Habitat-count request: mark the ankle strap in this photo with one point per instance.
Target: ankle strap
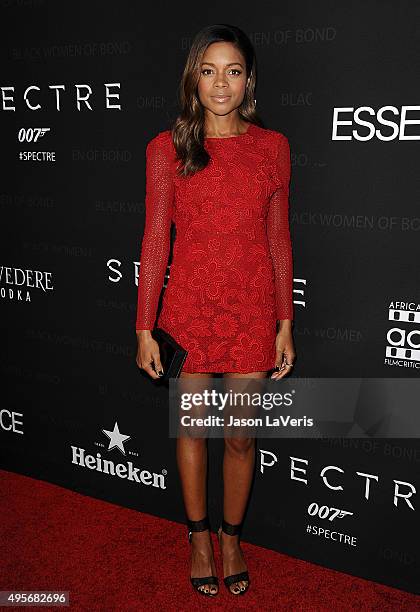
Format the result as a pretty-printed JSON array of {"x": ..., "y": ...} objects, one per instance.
[
  {"x": 231, "y": 529},
  {"x": 201, "y": 525}
]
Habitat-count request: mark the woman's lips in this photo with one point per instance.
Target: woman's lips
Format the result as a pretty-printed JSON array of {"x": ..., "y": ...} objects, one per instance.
[{"x": 221, "y": 98}]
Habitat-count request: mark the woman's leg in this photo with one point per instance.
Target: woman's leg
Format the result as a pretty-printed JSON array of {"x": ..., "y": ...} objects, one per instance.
[
  {"x": 192, "y": 467},
  {"x": 238, "y": 470}
]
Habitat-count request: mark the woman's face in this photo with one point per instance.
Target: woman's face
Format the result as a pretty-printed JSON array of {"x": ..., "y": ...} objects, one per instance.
[{"x": 222, "y": 83}]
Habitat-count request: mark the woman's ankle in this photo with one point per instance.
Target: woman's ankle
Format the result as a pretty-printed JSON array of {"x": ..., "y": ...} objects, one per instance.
[{"x": 229, "y": 540}]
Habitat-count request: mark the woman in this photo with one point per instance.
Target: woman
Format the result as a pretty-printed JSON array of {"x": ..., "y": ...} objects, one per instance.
[{"x": 224, "y": 180}]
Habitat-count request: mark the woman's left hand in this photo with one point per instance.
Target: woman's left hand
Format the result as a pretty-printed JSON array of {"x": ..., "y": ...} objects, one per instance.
[{"x": 285, "y": 351}]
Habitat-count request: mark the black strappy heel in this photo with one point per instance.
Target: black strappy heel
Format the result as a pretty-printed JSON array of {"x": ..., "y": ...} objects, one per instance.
[
  {"x": 197, "y": 582},
  {"x": 229, "y": 580}
]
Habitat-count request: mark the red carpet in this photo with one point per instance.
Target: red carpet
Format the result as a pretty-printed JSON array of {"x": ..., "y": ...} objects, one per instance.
[{"x": 114, "y": 559}]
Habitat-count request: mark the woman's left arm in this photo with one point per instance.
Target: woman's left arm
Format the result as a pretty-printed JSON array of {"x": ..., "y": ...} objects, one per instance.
[{"x": 278, "y": 234}]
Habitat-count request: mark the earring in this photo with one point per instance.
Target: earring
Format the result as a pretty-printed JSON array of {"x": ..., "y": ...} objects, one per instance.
[{"x": 255, "y": 103}]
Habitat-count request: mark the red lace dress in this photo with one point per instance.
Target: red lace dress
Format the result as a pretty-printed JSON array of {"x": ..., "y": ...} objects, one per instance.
[{"x": 231, "y": 274}]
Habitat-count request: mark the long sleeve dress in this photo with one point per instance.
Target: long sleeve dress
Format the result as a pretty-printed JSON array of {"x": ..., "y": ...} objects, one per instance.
[{"x": 231, "y": 274}]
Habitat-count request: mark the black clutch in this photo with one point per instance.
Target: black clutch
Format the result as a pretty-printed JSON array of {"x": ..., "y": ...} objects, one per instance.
[{"x": 172, "y": 354}]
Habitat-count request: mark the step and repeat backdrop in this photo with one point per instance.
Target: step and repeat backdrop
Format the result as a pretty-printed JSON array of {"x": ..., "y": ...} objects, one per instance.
[{"x": 84, "y": 86}]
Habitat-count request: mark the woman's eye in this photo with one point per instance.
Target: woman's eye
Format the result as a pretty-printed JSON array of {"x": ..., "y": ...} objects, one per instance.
[{"x": 208, "y": 70}]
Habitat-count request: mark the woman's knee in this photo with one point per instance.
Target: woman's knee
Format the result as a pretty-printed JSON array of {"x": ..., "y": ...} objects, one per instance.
[{"x": 239, "y": 446}]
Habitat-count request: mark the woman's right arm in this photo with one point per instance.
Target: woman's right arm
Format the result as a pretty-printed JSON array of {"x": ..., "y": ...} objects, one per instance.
[{"x": 155, "y": 246}]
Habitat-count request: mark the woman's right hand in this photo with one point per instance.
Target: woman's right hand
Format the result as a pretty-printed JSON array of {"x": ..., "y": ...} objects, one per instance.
[{"x": 148, "y": 353}]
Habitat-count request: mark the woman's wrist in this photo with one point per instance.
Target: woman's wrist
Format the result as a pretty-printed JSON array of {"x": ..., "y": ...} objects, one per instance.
[
  {"x": 143, "y": 333},
  {"x": 285, "y": 325}
]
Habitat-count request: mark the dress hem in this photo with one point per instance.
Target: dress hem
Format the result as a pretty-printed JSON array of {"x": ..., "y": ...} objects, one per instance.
[{"x": 247, "y": 371}]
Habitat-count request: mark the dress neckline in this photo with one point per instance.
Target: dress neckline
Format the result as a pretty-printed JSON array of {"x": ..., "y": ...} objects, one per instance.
[{"x": 250, "y": 127}]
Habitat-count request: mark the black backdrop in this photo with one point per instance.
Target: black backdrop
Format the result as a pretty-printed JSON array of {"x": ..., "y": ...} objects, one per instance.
[{"x": 77, "y": 218}]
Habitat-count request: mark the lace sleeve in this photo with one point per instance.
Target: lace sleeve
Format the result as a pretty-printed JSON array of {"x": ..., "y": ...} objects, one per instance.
[
  {"x": 278, "y": 232},
  {"x": 156, "y": 238}
]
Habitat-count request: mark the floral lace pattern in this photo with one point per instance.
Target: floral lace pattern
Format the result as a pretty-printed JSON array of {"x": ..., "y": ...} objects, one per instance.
[{"x": 231, "y": 275}]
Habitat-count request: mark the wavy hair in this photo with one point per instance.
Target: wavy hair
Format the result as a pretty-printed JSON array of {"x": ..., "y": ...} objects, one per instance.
[{"x": 188, "y": 128}]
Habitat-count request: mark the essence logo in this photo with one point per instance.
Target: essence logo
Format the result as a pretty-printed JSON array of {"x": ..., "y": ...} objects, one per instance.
[
  {"x": 403, "y": 340},
  {"x": 365, "y": 116},
  {"x": 299, "y": 291},
  {"x": 11, "y": 421}
]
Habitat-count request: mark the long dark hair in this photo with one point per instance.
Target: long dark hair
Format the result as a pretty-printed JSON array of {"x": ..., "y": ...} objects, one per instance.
[{"x": 188, "y": 129}]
